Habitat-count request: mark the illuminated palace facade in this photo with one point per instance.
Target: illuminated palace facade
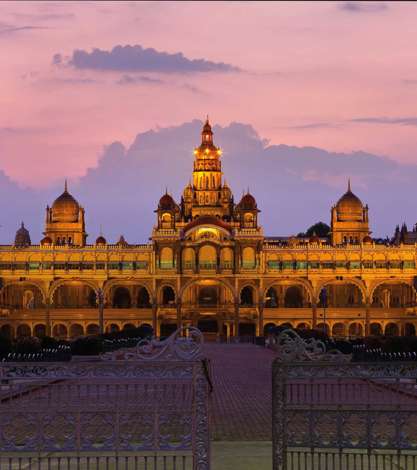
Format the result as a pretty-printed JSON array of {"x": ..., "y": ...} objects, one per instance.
[{"x": 207, "y": 264}]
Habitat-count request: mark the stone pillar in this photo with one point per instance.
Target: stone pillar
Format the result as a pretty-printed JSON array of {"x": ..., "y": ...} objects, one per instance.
[
  {"x": 314, "y": 311},
  {"x": 179, "y": 315},
  {"x": 367, "y": 318},
  {"x": 154, "y": 318},
  {"x": 261, "y": 319},
  {"x": 48, "y": 318},
  {"x": 100, "y": 302},
  {"x": 236, "y": 320}
]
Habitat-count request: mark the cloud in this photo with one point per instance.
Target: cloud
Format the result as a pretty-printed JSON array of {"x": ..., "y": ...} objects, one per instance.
[
  {"x": 313, "y": 125},
  {"x": 402, "y": 121},
  {"x": 137, "y": 59},
  {"x": 133, "y": 80},
  {"x": 363, "y": 7},
  {"x": 6, "y": 29},
  {"x": 44, "y": 16}
]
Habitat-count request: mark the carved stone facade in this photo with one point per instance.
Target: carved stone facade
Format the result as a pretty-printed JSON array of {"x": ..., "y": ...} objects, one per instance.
[{"x": 208, "y": 265}]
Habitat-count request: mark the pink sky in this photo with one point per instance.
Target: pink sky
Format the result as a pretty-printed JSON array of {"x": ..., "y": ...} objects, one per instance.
[{"x": 308, "y": 70}]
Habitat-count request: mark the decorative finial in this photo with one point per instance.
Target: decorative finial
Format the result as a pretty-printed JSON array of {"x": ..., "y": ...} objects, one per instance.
[
  {"x": 23, "y": 225},
  {"x": 66, "y": 186},
  {"x": 101, "y": 230},
  {"x": 207, "y": 119},
  {"x": 349, "y": 190}
]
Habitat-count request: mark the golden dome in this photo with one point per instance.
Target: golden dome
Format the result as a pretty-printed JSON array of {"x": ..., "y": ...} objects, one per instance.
[
  {"x": 65, "y": 208},
  {"x": 349, "y": 207}
]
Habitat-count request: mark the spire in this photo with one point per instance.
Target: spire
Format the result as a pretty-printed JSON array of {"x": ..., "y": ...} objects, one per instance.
[
  {"x": 22, "y": 225},
  {"x": 349, "y": 190},
  {"x": 66, "y": 186}
]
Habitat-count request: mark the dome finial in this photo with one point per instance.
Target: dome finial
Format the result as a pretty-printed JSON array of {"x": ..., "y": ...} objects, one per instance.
[
  {"x": 66, "y": 185},
  {"x": 349, "y": 189}
]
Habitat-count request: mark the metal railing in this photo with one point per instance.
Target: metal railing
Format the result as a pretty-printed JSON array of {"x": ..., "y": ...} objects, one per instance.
[
  {"x": 144, "y": 407},
  {"x": 338, "y": 415}
]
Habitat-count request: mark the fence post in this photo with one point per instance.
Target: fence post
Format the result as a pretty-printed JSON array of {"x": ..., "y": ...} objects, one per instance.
[
  {"x": 279, "y": 396},
  {"x": 201, "y": 433}
]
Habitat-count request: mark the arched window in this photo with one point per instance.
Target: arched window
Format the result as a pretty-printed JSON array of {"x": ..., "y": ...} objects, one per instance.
[
  {"x": 392, "y": 329},
  {"x": 409, "y": 329},
  {"x": 74, "y": 295},
  {"x": 207, "y": 257},
  {"x": 168, "y": 296},
  {"x": 246, "y": 296},
  {"x": 248, "y": 258},
  {"x": 60, "y": 331},
  {"x": 121, "y": 298},
  {"x": 207, "y": 296},
  {"x": 93, "y": 329},
  {"x": 355, "y": 329},
  {"x": 39, "y": 330},
  {"x": 338, "y": 329},
  {"x": 76, "y": 330},
  {"x": 271, "y": 298},
  {"x": 166, "y": 258},
  {"x": 143, "y": 298}
]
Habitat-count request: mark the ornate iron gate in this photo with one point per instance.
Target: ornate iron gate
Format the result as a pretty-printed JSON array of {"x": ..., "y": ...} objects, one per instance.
[
  {"x": 336, "y": 415},
  {"x": 146, "y": 408}
]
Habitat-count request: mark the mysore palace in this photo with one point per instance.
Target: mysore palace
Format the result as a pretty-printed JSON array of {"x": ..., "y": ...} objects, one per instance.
[{"x": 208, "y": 264}]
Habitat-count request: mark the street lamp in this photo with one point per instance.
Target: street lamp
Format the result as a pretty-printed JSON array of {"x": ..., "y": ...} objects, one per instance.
[{"x": 323, "y": 300}]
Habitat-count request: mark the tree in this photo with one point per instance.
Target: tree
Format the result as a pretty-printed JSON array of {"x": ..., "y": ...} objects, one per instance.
[{"x": 320, "y": 229}]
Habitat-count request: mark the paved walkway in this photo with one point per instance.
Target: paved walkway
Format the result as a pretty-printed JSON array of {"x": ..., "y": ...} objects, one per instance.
[{"x": 241, "y": 403}]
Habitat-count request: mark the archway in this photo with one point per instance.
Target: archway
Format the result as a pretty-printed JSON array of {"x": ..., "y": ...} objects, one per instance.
[
  {"x": 23, "y": 330},
  {"x": 302, "y": 326},
  {"x": 76, "y": 330},
  {"x": 22, "y": 296},
  {"x": 247, "y": 296},
  {"x": 391, "y": 329},
  {"x": 60, "y": 331},
  {"x": 39, "y": 330},
  {"x": 112, "y": 328},
  {"x": 355, "y": 329},
  {"x": 168, "y": 296},
  {"x": 144, "y": 300},
  {"x": 324, "y": 328},
  {"x": 409, "y": 329},
  {"x": 129, "y": 326},
  {"x": 269, "y": 328},
  {"x": 121, "y": 298},
  {"x": 338, "y": 329},
  {"x": 393, "y": 295},
  {"x": 74, "y": 294},
  {"x": 375, "y": 329},
  {"x": 93, "y": 329},
  {"x": 6, "y": 331},
  {"x": 208, "y": 296},
  {"x": 293, "y": 297},
  {"x": 271, "y": 298},
  {"x": 343, "y": 295}
]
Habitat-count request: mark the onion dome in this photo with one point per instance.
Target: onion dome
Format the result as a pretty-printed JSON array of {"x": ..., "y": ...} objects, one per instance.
[
  {"x": 314, "y": 238},
  {"x": 101, "y": 240},
  {"x": 166, "y": 202},
  {"x": 46, "y": 241},
  {"x": 22, "y": 238},
  {"x": 349, "y": 207},
  {"x": 122, "y": 241},
  {"x": 247, "y": 202},
  {"x": 367, "y": 240},
  {"x": 65, "y": 208}
]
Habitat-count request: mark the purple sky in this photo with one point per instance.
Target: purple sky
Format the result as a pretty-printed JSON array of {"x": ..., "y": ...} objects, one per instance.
[{"x": 337, "y": 75}]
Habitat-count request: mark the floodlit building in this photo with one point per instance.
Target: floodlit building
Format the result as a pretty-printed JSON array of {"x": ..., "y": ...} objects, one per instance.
[{"x": 208, "y": 264}]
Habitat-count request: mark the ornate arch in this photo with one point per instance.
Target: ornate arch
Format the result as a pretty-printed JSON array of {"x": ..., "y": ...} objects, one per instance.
[
  {"x": 126, "y": 283},
  {"x": 194, "y": 281},
  {"x": 356, "y": 282},
  {"x": 390, "y": 281},
  {"x": 61, "y": 282},
  {"x": 36, "y": 284}
]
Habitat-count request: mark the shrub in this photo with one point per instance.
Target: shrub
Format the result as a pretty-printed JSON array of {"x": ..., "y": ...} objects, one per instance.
[
  {"x": 5, "y": 346},
  {"x": 87, "y": 346},
  {"x": 28, "y": 345}
]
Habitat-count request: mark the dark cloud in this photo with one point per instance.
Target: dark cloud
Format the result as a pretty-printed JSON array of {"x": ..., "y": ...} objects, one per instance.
[
  {"x": 137, "y": 59},
  {"x": 363, "y": 7},
  {"x": 402, "y": 121},
  {"x": 294, "y": 186}
]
